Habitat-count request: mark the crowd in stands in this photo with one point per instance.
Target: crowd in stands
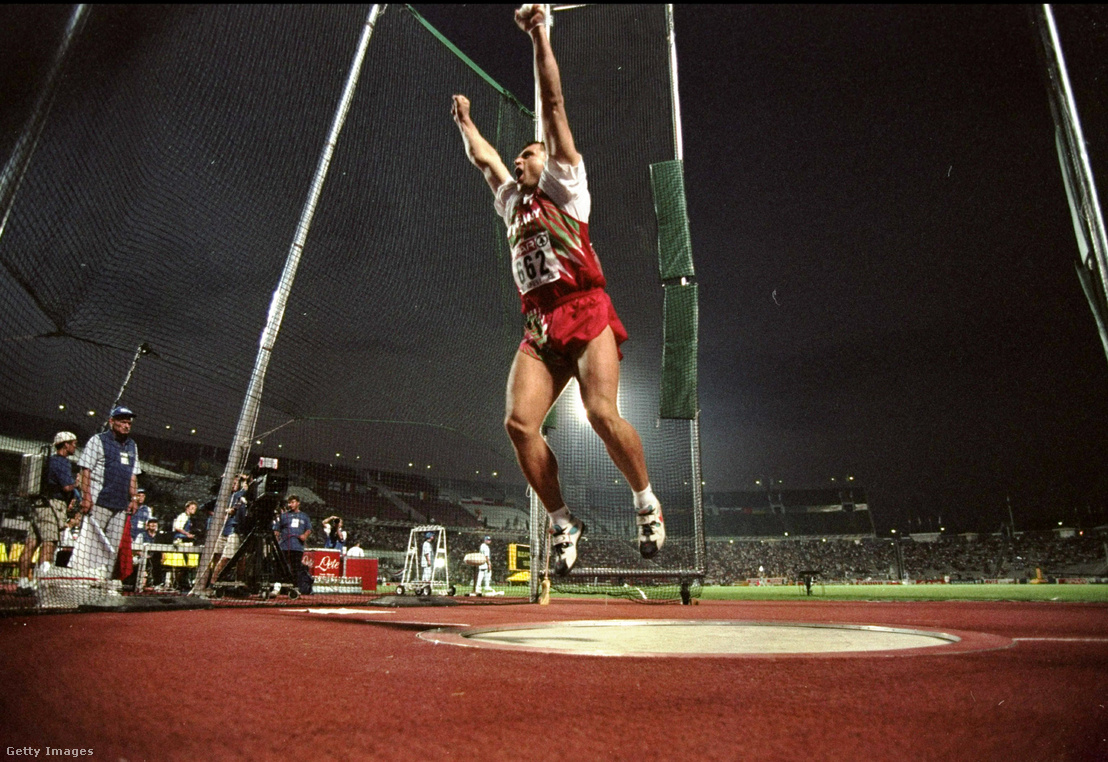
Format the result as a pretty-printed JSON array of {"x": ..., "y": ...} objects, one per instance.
[
  {"x": 729, "y": 562},
  {"x": 380, "y": 514},
  {"x": 956, "y": 558}
]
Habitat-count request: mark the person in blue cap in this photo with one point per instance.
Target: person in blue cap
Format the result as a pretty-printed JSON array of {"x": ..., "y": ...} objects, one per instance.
[
  {"x": 109, "y": 482},
  {"x": 141, "y": 516}
]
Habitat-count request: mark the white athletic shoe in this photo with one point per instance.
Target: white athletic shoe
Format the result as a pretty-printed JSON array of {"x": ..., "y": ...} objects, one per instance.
[
  {"x": 652, "y": 533},
  {"x": 563, "y": 544}
]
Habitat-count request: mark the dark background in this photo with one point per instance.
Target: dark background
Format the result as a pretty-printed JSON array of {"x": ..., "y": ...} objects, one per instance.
[
  {"x": 883, "y": 245},
  {"x": 885, "y": 253}
]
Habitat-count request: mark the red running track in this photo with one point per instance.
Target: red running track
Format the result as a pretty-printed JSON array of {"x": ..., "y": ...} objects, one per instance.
[{"x": 273, "y": 684}]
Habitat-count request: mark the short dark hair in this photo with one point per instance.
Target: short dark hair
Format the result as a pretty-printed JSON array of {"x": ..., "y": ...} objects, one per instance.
[{"x": 539, "y": 143}]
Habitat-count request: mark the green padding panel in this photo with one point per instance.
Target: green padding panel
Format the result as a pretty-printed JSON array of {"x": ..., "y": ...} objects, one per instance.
[
  {"x": 667, "y": 180},
  {"x": 679, "y": 399}
]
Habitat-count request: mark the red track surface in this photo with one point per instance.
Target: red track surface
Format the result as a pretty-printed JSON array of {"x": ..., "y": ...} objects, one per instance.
[{"x": 272, "y": 684}]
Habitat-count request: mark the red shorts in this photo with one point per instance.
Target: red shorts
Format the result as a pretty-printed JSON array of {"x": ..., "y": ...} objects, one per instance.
[{"x": 557, "y": 337}]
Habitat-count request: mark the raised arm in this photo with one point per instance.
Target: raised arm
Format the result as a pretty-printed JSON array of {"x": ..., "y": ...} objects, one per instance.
[
  {"x": 478, "y": 150},
  {"x": 555, "y": 124}
]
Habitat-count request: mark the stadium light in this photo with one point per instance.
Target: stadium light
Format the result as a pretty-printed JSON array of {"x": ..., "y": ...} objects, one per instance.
[
  {"x": 61, "y": 407},
  {"x": 92, "y": 414},
  {"x": 578, "y": 403}
]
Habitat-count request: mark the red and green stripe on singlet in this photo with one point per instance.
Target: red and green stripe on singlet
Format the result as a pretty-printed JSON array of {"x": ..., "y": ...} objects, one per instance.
[{"x": 580, "y": 268}]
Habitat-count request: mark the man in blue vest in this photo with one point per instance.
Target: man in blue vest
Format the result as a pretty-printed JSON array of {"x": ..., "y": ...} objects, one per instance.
[
  {"x": 294, "y": 527},
  {"x": 109, "y": 481}
]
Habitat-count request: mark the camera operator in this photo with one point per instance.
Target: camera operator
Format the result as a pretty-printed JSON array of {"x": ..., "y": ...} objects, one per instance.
[{"x": 234, "y": 526}]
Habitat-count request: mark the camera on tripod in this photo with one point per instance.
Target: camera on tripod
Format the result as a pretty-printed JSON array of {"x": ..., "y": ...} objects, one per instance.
[
  {"x": 266, "y": 482},
  {"x": 263, "y": 563}
]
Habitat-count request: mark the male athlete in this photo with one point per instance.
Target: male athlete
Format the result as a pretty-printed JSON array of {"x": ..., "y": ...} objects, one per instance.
[{"x": 571, "y": 329}]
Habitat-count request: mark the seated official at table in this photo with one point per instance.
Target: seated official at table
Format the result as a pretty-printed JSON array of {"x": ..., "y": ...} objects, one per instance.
[
  {"x": 182, "y": 525},
  {"x": 153, "y": 571}
]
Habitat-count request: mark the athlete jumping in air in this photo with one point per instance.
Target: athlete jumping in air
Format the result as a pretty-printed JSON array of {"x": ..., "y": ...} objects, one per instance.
[{"x": 571, "y": 329}]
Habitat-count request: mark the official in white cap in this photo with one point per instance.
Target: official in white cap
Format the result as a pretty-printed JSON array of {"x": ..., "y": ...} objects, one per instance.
[
  {"x": 484, "y": 571},
  {"x": 50, "y": 516}
]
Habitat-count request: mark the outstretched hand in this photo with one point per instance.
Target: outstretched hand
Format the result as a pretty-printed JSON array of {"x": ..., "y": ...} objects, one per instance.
[
  {"x": 459, "y": 109},
  {"x": 530, "y": 16}
]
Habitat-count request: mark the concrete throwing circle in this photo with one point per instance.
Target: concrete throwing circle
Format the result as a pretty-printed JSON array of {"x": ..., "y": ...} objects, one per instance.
[{"x": 685, "y": 638}]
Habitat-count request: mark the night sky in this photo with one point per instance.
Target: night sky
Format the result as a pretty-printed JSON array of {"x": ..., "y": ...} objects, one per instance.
[
  {"x": 885, "y": 254},
  {"x": 882, "y": 240}
]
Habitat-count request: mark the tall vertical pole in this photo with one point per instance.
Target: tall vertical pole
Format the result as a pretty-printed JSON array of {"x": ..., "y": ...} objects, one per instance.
[
  {"x": 539, "y": 536},
  {"x": 244, "y": 432},
  {"x": 1084, "y": 202},
  {"x": 12, "y": 176},
  {"x": 699, "y": 544},
  {"x": 675, "y": 96}
]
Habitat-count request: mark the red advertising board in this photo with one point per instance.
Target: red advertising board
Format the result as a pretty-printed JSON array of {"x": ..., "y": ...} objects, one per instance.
[
  {"x": 366, "y": 568},
  {"x": 326, "y": 563}
]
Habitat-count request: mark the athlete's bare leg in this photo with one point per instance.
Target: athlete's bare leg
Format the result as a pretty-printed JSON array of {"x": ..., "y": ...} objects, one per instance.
[
  {"x": 598, "y": 374},
  {"x": 533, "y": 387}
]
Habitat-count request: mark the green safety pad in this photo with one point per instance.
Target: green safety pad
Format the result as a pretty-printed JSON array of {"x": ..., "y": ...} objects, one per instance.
[
  {"x": 667, "y": 181},
  {"x": 679, "y": 352}
]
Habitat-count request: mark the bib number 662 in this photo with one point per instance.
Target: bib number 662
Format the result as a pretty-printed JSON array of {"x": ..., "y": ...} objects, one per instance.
[{"x": 535, "y": 263}]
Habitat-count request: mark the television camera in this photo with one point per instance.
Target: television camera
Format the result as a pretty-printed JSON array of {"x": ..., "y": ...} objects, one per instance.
[{"x": 259, "y": 566}]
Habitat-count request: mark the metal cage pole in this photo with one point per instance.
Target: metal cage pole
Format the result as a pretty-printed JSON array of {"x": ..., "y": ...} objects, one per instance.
[
  {"x": 699, "y": 549},
  {"x": 538, "y": 510},
  {"x": 244, "y": 432},
  {"x": 1084, "y": 202},
  {"x": 16, "y": 168}
]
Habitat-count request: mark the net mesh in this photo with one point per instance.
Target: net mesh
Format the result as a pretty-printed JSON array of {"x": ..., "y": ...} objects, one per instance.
[
  {"x": 157, "y": 210},
  {"x": 145, "y": 233}
]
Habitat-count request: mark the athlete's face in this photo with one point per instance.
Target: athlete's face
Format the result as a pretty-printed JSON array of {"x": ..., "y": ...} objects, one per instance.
[{"x": 529, "y": 164}]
